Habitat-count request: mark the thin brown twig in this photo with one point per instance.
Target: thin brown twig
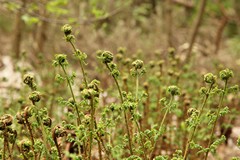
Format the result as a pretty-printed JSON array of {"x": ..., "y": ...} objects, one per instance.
[
  {"x": 196, "y": 29},
  {"x": 220, "y": 30}
]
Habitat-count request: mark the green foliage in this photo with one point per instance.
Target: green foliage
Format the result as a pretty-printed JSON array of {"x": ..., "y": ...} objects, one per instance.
[
  {"x": 57, "y": 7},
  {"x": 177, "y": 155},
  {"x": 12, "y": 6},
  {"x": 161, "y": 158},
  {"x": 216, "y": 143},
  {"x": 30, "y": 20},
  {"x": 148, "y": 117}
]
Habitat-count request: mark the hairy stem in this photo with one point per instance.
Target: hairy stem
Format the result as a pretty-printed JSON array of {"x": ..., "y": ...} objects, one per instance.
[
  {"x": 4, "y": 144},
  {"x": 56, "y": 144},
  {"x": 215, "y": 122},
  {"x": 99, "y": 150},
  {"x": 91, "y": 126},
  {"x": 141, "y": 139},
  {"x": 196, "y": 126},
  {"x": 81, "y": 65},
  {"x": 31, "y": 136},
  {"x": 44, "y": 136},
  {"x": 101, "y": 142},
  {"x": 9, "y": 152},
  {"x": 137, "y": 84},
  {"x": 160, "y": 127},
  {"x": 138, "y": 127},
  {"x": 71, "y": 90},
  {"x": 124, "y": 112}
]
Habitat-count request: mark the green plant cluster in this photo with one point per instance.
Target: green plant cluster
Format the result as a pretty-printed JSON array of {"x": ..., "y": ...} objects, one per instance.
[{"x": 156, "y": 112}]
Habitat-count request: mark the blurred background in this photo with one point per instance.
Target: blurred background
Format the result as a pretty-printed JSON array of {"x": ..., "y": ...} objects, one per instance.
[
  {"x": 205, "y": 32},
  {"x": 32, "y": 28}
]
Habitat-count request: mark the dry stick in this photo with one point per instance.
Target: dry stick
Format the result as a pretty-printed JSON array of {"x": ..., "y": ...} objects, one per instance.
[
  {"x": 220, "y": 30},
  {"x": 24, "y": 156},
  {"x": 30, "y": 131},
  {"x": 19, "y": 150},
  {"x": 99, "y": 150},
  {"x": 4, "y": 144},
  {"x": 31, "y": 135},
  {"x": 9, "y": 152},
  {"x": 58, "y": 148},
  {"x": 196, "y": 126},
  {"x": 124, "y": 112},
  {"x": 56, "y": 143},
  {"x": 215, "y": 122},
  {"x": 146, "y": 110},
  {"x": 195, "y": 29},
  {"x": 13, "y": 144},
  {"x": 40, "y": 154},
  {"x": 91, "y": 126}
]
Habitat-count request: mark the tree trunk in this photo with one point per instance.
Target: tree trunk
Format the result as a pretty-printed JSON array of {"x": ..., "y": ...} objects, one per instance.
[
  {"x": 41, "y": 34},
  {"x": 17, "y": 33},
  {"x": 154, "y": 5}
]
